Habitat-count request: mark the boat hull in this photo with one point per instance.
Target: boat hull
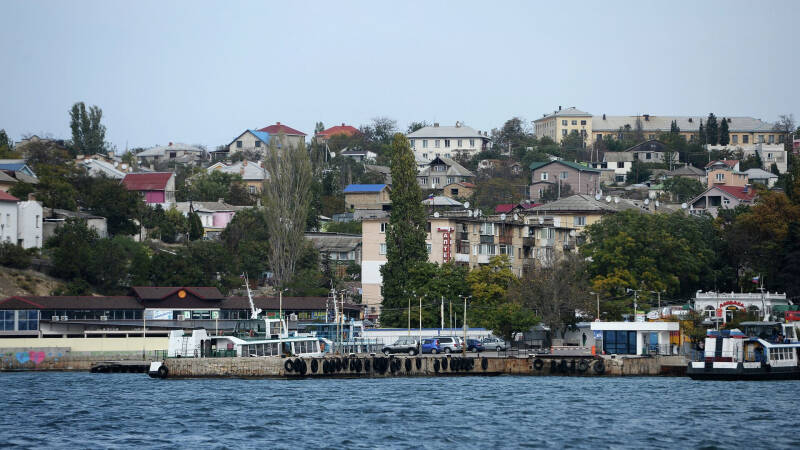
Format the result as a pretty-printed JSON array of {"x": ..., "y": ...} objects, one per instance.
[{"x": 743, "y": 374}]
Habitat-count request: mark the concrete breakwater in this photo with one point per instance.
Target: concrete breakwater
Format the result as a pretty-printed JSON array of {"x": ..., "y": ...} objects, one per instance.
[{"x": 403, "y": 366}]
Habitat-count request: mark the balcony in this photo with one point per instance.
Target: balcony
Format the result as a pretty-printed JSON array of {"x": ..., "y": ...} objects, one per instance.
[
  {"x": 462, "y": 257},
  {"x": 487, "y": 239},
  {"x": 528, "y": 241},
  {"x": 483, "y": 259},
  {"x": 506, "y": 239},
  {"x": 547, "y": 242},
  {"x": 462, "y": 236}
]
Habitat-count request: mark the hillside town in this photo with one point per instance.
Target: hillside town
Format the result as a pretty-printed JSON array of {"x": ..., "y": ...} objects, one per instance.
[{"x": 542, "y": 224}]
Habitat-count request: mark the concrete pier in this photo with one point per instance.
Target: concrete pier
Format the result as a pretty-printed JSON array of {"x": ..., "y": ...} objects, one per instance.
[{"x": 401, "y": 366}]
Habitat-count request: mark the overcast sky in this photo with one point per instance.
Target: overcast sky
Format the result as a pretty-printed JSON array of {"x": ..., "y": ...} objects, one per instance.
[{"x": 202, "y": 72}]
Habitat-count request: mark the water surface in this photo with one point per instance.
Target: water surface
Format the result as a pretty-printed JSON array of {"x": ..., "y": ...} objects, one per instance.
[{"x": 80, "y": 410}]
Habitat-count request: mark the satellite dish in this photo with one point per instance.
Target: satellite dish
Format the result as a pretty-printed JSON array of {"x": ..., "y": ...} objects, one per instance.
[
  {"x": 436, "y": 214},
  {"x": 469, "y": 213},
  {"x": 647, "y": 201},
  {"x": 466, "y": 204},
  {"x": 598, "y": 196},
  {"x": 616, "y": 199},
  {"x": 652, "y": 195},
  {"x": 516, "y": 216},
  {"x": 684, "y": 205},
  {"x": 657, "y": 204},
  {"x": 124, "y": 166},
  {"x": 541, "y": 220},
  {"x": 503, "y": 216},
  {"x": 608, "y": 199}
]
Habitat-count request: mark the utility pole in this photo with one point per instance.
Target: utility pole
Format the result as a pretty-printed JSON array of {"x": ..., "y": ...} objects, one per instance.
[
  {"x": 598, "y": 303},
  {"x": 464, "y": 325},
  {"x": 409, "y": 316},
  {"x": 441, "y": 315},
  {"x": 420, "y": 322}
]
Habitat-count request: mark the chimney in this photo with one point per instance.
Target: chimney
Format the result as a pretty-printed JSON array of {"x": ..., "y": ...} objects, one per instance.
[
  {"x": 436, "y": 124},
  {"x": 170, "y": 144},
  {"x": 277, "y": 123},
  {"x": 343, "y": 124},
  {"x": 604, "y": 116},
  {"x": 647, "y": 117}
]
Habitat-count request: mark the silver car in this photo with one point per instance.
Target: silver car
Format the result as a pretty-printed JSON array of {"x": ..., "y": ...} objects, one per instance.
[
  {"x": 493, "y": 343},
  {"x": 450, "y": 344}
]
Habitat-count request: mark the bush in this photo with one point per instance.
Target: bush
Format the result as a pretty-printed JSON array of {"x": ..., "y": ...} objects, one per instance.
[{"x": 12, "y": 255}]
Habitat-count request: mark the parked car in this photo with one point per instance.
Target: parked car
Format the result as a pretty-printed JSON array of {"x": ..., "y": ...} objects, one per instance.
[
  {"x": 474, "y": 345},
  {"x": 408, "y": 345},
  {"x": 450, "y": 344},
  {"x": 493, "y": 343},
  {"x": 431, "y": 345}
]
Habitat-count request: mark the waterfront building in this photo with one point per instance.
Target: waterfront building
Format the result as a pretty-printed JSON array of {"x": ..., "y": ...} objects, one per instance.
[
  {"x": 722, "y": 306},
  {"x": 636, "y": 338},
  {"x": 431, "y": 142}
]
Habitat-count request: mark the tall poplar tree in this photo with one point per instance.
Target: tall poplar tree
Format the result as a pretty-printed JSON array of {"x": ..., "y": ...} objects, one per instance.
[
  {"x": 88, "y": 134},
  {"x": 712, "y": 129},
  {"x": 701, "y": 135},
  {"x": 724, "y": 134},
  {"x": 405, "y": 235}
]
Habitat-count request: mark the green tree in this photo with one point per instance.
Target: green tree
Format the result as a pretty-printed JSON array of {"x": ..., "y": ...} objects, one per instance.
[
  {"x": 683, "y": 189},
  {"x": 414, "y": 126},
  {"x": 71, "y": 250},
  {"x": 88, "y": 134},
  {"x": 702, "y": 136},
  {"x": 751, "y": 162},
  {"x": 13, "y": 255},
  {"x": 405, "y": 236},
  {"x": 712, "y": 129},
  {"x": 108, "y": 198},
  {"x": 724, "y": 133},
  {"x": 343, "y": 227},
  {"x": 673, "y": 127},
  {"x": 195, "y": 226},
  {"x": 790, "y": 261}
]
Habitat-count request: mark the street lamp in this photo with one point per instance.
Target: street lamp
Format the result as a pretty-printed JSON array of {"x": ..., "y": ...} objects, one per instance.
[{"x": 464, "y": 344}]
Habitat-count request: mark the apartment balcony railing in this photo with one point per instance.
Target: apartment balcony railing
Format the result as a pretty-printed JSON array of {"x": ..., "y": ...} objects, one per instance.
[{"x": 487, "y": 239}]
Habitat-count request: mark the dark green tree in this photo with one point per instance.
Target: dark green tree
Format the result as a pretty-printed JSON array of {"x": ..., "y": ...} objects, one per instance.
[
  {"x": 673, "y": 127},
  {"x": 790, "y": 264},
  {"x": 108, "y": 198},
  {"x": 405, "y": 236},
  {"x": 88, "y": 134},
  {"x": 702, "y": 137},
  {"x": 724, "y": 133},
  {"x": 712, "y": 129},
  {"x": 414, "y": 126},
  {"x": 683, "y": 189},
  {"x": 195, "y": 226}
]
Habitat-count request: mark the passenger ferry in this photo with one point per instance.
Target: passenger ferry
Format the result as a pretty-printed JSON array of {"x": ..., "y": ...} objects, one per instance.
[{"x": 762, "y": 351}]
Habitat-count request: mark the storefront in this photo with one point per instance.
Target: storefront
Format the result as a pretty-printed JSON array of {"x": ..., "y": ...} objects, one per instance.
[{"x": 635, "y": 338}]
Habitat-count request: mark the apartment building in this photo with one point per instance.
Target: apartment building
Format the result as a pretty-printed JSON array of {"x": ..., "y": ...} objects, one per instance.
[
  {"x": 442, "y": 171},
  {"x": 431, "y": 142},
  {"x": 565, "y": 176},
  {"x": 471, "y": 241}
]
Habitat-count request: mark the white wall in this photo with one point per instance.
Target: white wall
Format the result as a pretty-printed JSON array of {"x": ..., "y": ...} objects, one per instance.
[
  {"x": 8, "y": 222},
  {"x": 29, "y": 224}
]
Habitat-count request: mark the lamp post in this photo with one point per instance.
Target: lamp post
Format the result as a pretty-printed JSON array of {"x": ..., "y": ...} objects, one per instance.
[{"x": 464, "y": 325}]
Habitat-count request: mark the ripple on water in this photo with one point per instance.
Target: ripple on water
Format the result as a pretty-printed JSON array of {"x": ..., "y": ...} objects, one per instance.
[{"x": 131, "y": 410}]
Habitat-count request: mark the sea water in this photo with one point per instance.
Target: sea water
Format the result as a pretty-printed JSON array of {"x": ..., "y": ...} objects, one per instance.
[{"x": 84, "y": 410}]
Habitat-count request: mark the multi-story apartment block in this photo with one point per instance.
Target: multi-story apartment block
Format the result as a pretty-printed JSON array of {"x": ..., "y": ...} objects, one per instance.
[
  {"x": 442, "y": 171},
  {"x": 428, "y": 143},
  {"x": 565, "y": 176},
  {"x": 742, "y": 130}
]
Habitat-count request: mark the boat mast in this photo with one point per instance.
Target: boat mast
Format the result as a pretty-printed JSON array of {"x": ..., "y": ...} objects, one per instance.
[{"x": 254, "y": 312}]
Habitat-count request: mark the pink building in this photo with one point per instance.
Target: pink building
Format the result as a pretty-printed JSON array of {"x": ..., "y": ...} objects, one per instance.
[{"x": 155, "y": 187}]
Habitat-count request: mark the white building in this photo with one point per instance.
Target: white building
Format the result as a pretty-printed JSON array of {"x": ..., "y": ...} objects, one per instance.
[
  {"x": 428, "y": 143},
  {"x": 635, "y": 338},
  {"x": 620, "y": 162},
  {"x": 722, "y": 306},
  {"x": 20, "y": 222}
]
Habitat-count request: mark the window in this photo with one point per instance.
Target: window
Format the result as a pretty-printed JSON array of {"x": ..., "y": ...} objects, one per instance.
[
  {"x": 429, "y": 247},
  {"x": 454, "y": 192},
  {"x": 427, "y": 227},
  {"x": 564, "y": 175},
  {"x": 423, "y": 181},
  {"x": 436, "y": 180},
  {"x": 579, "y": 221},
  {"x": 620, "y": 165},
  {"x": 720, "y": 177},
  {"x": 411, "y": 143},
  {"x": 769, "y": 156},
  {"x": 383, "y": 227},
  {"x": 544, "y": 176},
  {"x": 583, "y": 122},
  {"x": 735, "y": 139},
  {"x": 252, "y": 189},
  {"x": 648, "y": 156},
  {"x": 760, "y": 138},
  {"x": 173, "y": 154},
  {"x": 745, "y": 139},
  {"x": 564, "y": 123},
  {"x": 436, "y": 143},
  {"x": 238, "y": 144},
  {"x": 28, "y": 320},
  {"x": 6, "y": 320},
  {"x": 599, "y": 137},
  {"x": 487, "y": 228},
  {"x": 564, "y": 132},
  {"x": 37, "y": 221},
  {"x": 425, "y": 155},
  {"x": 459, "y": 143},
  {"x": 619, "y": 342},
  {"x": 383, "y": 249},
  {"x": 472, "y": 142},
  {"x": 771, "y": 138},
  {"x": 447, "y": 143},
  {"x": 258, "y": 144},
  {"x": 450, "y": 180},
  {"x": 424, "y": 143},
  {"x": 574, "y": 122}
]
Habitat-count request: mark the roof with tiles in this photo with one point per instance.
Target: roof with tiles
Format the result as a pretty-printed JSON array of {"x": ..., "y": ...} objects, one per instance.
[
  {"x": 574, "y": 165},
  {"x": 566, "y": 112},
  {"x": 339, "y": 129},
  {"x": 744, "y": 193},
  {"x": 281, "y": 128},
  {"x": 685, "y": 123},
  {"x": 6, "y": 197},
  {"x": 436, "y": 131},
  {"x": 154, "y": 181}
]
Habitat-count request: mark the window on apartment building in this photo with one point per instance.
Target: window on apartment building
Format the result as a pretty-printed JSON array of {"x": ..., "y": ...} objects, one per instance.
[
  {"x": 771, "y": 138},
  {"x": 459, "y": 143},
  {"x": 745, "y": 139},
  {"x": 579, "y": 221},
  {"x": 447, "y": 155},
  {"x": 424, "y": 143},
  {"x": 252, "y": 189},
  {"x": 436, "y": 180},
  {"x": 472, "y": 142},
  {"x": 735, "y": 139},
  {"x": 258, "y": 144},
  {"x": 564, "y": 122},
  {"x": 427, "y": 227},
  {"x": 447, "y": 143},
  {"x": 383, "y": 227},
  {"x": 720, "y": 177},
  {"x": 544, "y": 176},
  {"x": 574, "y": 122},
  {"x": 382, "y": 250},
  {"x": 411, "y": 143},
  {"x": 769, "y": 155},
  {"x": 599, "y": 137},
  {"x": 564, "y": 175},
  {"x": 238, "y": 144},
  {"x": 760, "y": 138},
  {"x": 563, "y": 132},
  {"x": 429, "y": 247},
  {"x": 487, "y": 229},
  {"x": 583, "y": 122},
  {"x": 450, "y": 180},
  {"x": 436, "y": 143},
  {"x": 423, "y": 181},
  {"x": 620, "y": 165},
  {"x": 648, "y": 156},
  {"x": 425, "y": 155}
]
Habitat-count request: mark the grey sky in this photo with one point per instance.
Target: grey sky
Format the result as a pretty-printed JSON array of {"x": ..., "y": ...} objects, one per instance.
[{"x": 202, "y": 72}]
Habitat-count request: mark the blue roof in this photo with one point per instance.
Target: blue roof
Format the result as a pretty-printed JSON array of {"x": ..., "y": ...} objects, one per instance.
[
  {"x": 263, "y": 135},
  {"x": 364, "y": 188},
  {"x": 16, "y": 167}
]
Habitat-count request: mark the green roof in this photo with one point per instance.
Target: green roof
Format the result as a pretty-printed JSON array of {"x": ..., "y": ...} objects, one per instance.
[{"x": 574, "y": 165}]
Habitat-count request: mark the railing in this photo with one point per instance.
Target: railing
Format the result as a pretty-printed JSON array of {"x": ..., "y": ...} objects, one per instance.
[
  {"x": 726, "y": 356},
  {"x": 487, "y": 239}
]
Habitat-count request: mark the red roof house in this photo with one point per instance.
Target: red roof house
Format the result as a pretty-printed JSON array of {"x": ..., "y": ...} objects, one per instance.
[
  {"x": 347, "y": 130},
  {"x": 155, "y": 187},
  {"x": 281, "y": 128},
  {"x": 6, "y": 197}
]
